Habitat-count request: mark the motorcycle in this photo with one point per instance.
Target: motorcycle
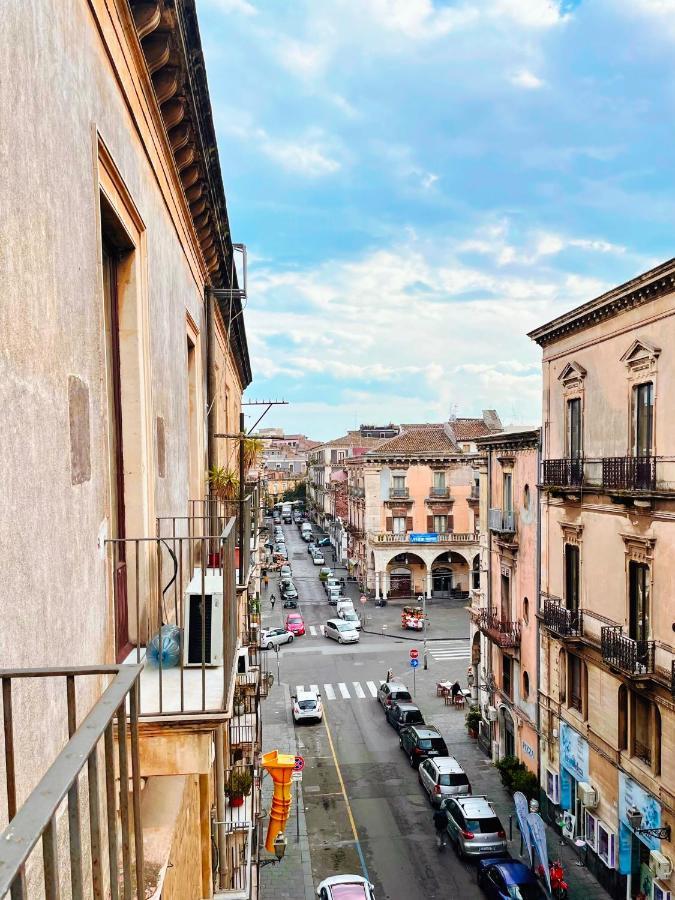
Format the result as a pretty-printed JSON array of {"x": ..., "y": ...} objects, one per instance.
[{"x": 559, "y": 887}]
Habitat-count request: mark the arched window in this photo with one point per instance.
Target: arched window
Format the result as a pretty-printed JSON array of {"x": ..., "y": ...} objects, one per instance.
[
  {"x": 526, "y": 685},
  {"x": 622, "y": 701},
  {"x": 562, "y": 676},
  {"x": 526, "y": 610},
  {"x": 526, "y": 497},
  {"x": 657, "y": 741}
]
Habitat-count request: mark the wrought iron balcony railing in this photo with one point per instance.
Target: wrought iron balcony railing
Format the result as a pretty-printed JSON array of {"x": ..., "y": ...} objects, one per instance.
[
  {"x": 562, "y": 621},
  {"x": 439, "y": 493},
  {"x": 625, "y": 653},
  {"x": 475, "y": 492},
  {"x": 563, "y": 472},
  {"x": 502, "y": 632},
  {"x": 642, "y": 751},
  {"x": 109, "y": 862},
  {"x": 399, "y": 493},
  {"x": 502, "y": 521},
  {"x": 629, "y": 473}
]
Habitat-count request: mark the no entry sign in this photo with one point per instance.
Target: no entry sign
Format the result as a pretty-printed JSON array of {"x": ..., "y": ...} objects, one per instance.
[
  {"x": 414, "y": 653},
  {"x": 299, "y": 764}
]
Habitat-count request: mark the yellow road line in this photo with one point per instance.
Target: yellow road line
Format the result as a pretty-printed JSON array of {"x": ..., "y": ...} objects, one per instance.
[{"x": 344, "y": 794}]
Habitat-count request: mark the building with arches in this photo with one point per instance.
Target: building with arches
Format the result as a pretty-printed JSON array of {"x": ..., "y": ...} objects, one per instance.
[{"x": 412, "y": 510}]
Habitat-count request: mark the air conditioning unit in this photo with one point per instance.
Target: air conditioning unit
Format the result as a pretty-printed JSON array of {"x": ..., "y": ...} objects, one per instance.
[
  {"x": 492, "y": 713},
  {"x": 587, "y": 795},
  {"x": 210, "y": 613},
  {"x": 661, "y": 865}
]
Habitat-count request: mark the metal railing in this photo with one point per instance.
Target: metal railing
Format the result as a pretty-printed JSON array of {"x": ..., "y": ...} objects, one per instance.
[
  {"x": 629, "y": 473},
  {"x": 502, "y": 632},
  {"x": 356, "y": 491},
  {"x": 404, "y": 537},
  {"x": 564, "y": 622},
  {"x": 625, "y": 653},
  {"x": 502, "y": 520},
  {"x": 568, "y": 472},
  {"x": 93, "y": 744},
  {"x": 399, "y": 493},
  {"x": 642, "y": 751},
  {"x": 439, "y": 492},
  {"x": 162, "y": 612}
]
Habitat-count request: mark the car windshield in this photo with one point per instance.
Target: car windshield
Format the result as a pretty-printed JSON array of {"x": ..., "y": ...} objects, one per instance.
[
  {"x": 490, "y": 825},
  {"x": 432, "y": 744},
  {"x": 401, "y": 695},
  {"x": 351, "y": 617},
  {"x": 452, "y": 779},
  {"x": 343, "y": 626},
  {"x": 524, "y": 891},
  {"x": 307, "y": 704},
  {"x": 414, "y": 717}
]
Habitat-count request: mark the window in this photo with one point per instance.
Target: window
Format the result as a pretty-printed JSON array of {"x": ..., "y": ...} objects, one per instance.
[
  {"x": 591, "y": 830},
  {"x": 575, "y": 681},
  {"x": 475, "y": 572},
  {"x": 553, "y": 786},
  {"x": 439, "y": 480},
  {"x": 572, "y": 577},
  {"x": 642, "y": 739},
  {"x": 638, "y": 613},
  {"x": 440, "y": 524},
  {"x": 526, "y": 497},
  {"x": 643, "y": 419},
  {"x": 507, "y": 493},
  {"x": 507, "y": 671},
  {"x": 526, "y": 610},
  {"x": 574, "y": 428},
  {"x": 505, "y": 611},
  {"x": 526, "y": 685},
  {"x": 623, "y": 717},
  {"x": 398, "y": 523},
  {"x": 606, "y": 841}
]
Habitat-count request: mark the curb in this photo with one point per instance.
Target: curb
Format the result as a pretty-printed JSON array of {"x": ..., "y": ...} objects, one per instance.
[{"x": 405, "y": 637}]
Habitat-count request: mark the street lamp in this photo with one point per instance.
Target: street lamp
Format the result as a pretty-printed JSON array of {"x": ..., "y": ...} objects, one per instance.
[
  {"x": 634, "y": 817},
  {"x": 280, "y": 844}
]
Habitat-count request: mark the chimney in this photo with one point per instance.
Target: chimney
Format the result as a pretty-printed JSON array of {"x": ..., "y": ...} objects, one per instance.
[{"x": 492, "y": 420}]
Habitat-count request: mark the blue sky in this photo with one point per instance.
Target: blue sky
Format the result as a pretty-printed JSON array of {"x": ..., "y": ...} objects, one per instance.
[{"x": 419, "y": 184}]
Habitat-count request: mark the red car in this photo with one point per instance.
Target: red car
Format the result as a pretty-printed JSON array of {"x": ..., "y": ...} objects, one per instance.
[{"x": 295, "y": 624}]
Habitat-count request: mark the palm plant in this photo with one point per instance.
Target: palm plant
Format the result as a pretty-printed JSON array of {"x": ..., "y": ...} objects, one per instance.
[
  {"x": 224, "y": 483},
  {"x": 253, "y": 450}
]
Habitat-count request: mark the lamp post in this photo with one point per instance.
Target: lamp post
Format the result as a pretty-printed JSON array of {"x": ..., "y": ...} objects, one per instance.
[
  {"x": 280, "y": 844},
  {"x": 423, "y": 599}
]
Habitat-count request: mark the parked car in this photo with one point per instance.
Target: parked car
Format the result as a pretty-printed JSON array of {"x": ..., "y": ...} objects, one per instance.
[
  {"x": 334, "y": 594},
  {"x": 295, "y": 624},
  {"x": 311, "y": 547},
  {"x": 345, "y": 887},
  {"x": 323, "y": 542},
  {"x": 443, "y": 777},
  {"x": 474, "y": 827},
  {"x": 288, "y": 589},
  {"x": 392, "y": 692},
  {"x": 275, "y": 637},
  {"x": 344, "y": 604},
  {"x": 508, "y": 878},
  {"x": 341, "y": 631},
  {"x": 400, "y": 715},
  {"x": 318, "y": 559},
  {"x": 420, "y": 742},
  {"x": 307, "y": 706},
  {"x": 285, "y": 571},
  {"x": 352, "y": 619},
  {"x": 325, "y": 573},
  {"x": 330, "y": 582}
]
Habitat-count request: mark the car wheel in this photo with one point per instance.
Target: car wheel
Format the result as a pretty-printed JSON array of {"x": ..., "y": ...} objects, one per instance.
[
  {"x": 290, "y": 640},
  {"x": 269, "y": 646},
  {"x": 340, "y": 641},
  {"x": 412, "y": 761}
]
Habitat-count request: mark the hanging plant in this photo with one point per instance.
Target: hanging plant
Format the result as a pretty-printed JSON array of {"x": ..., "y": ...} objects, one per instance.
[
  {"x": 253, "y": 450},
  {"x": 223, "y": 483}
]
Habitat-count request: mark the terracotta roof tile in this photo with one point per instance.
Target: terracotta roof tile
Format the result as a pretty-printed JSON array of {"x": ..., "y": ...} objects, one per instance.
[
  {"x": 351, "y": 439},
  {"x": 418, "y": 440},
  {"x": 468, "y": 429}
]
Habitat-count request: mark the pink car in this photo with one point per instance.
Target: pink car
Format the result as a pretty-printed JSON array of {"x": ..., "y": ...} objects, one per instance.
[{"x": 295, "y": 624}]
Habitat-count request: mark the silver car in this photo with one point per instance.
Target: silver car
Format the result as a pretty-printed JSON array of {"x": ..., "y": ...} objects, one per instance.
[
  {"x": 391, "y": 692},
  {"x": 474, "y": 827},
  {"x": 317, "y": 559},
  {"x": 443, "y": 777},
  {"x": 275, "y": 637},
  {"x": 342, "y": 632}
]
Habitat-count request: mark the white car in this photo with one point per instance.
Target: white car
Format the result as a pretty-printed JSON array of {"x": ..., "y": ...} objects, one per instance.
[
  {"x": 344, "y": 605},
  {"x": 342, "y": 632},
  {"x": 307, "y": 706},
  {"x": 275, "y": 637},
  {"x": 350, "y": 617},
  {"x": 345, "y": 887},
  {"x": 318, "y": 560}
]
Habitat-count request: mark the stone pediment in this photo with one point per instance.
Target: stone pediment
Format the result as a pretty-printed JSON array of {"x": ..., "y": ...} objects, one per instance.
[
  {"x": 573, "y": 374},
  {"x": 641, "y": 354}
]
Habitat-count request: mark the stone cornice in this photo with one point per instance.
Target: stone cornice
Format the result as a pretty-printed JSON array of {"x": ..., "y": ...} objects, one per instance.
[
  {"x": 649, "y": 286},
  {"x": 510, "y": 441}
]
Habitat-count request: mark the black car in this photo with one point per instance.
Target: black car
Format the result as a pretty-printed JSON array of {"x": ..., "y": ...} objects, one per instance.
[
  {"x": 401, "y": 715},
  {"x": 420, "y": 742}
]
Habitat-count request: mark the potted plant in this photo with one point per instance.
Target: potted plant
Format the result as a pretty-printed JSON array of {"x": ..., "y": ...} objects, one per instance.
[
  {"x": 473, "y": 721},
  {"x": 238, "y": 785},
  {"x": 238, "y": 701}
]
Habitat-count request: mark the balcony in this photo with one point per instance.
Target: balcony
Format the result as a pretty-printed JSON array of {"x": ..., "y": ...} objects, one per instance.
[
  {"x": 504, "y": 633},
  {"x": 474, "y": 496},
  {"x": 630, "y": 656},
  {"x": 109, "y": 819},
  {"x": 629, "y": 473},
  {"x": 565, "y": 623},
  {"x": 399, "y": 493},
  {"x": 439, "y": 493},
  {"x": 563, "y": 472},
  {"x": 502, "y": 521},
  {"x": 357, "y": 492},
  {"x": 412, "y": 537}
]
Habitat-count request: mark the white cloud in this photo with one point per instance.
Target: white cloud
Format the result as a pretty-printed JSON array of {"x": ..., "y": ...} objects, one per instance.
[
  {"x": 234, "y": 6},
  {"x": 527, "y": 13},
  {"x": 525, "y": 79}
]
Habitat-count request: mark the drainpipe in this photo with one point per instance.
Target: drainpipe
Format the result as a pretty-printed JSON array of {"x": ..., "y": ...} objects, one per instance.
[
  {"x": 488, "y": 671},
  {"x": 538, "y": 623},
  {"x": 210, "y": 381}
]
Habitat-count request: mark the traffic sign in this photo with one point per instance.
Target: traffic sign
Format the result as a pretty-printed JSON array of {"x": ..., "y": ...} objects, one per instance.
[
  {"x": 414, "y": 653},
  {"x": 299, "y": 764},
  {"x": 296, "y": 776},
  {"x": 414, "y": 663}
]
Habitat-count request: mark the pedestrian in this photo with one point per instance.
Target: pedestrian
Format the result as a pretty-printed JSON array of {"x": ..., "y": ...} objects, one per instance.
[
  {"x": 272, "y": 600},
  {"x": 390, "y": 675},
  {"x": 441, "y": 826},
  {"x": 267, "y": 581}
]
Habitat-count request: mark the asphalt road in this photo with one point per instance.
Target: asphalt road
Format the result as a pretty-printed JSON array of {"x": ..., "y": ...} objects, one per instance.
[{"x": 365, "y": 810}]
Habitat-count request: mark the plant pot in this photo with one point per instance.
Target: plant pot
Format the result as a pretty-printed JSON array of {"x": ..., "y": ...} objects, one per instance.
[
  {"x": 214, "y": 560},
  {"x": 473, "y": 733},
  {"x": 239, "y": 709},
  {"x": 236, "y": 799}
]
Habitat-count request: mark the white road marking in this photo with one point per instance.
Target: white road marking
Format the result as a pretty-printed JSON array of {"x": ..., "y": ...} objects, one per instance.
[
  {"x": 312, "y": 630},
  {"x": 372, "y": 687},
  {"x": 299, "y": 688},
  {"x": 314, "y": 687},
  {"x": 343, "y": 690},
  {"x": 330, "y": 693},
  {"x": 323, "y": 629},
  {"x": 360, "y": 693}
]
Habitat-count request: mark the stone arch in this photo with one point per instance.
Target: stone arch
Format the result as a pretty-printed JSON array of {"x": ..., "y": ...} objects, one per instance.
[
  {"x": 404, "y": 574},
  {"x": 450, "y": 574}
]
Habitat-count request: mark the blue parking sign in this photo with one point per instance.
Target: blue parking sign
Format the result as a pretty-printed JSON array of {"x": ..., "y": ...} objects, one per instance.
[{"x": 414, "y": 663}]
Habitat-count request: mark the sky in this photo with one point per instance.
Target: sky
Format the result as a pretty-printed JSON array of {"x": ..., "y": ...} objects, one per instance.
[{"x": 421, "y": 183}]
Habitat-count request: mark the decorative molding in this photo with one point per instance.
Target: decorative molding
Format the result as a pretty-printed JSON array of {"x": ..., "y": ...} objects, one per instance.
[
  {"x": 639, "y": 548},
  {"x": 572, "y": 533},
  {"x": 641, "y": 358},
  {"x": 572, "y": 376}
]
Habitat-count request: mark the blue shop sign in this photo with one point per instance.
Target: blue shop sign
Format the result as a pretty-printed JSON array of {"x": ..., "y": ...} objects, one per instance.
[
  {"x": 573, "y": 752},
  {"x": 428, "y": 537},
  {"x": 633, "y": 796}
]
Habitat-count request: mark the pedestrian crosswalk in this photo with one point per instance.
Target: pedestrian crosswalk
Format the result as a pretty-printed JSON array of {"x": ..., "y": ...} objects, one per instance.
[
  {"x": 353, "y": 690},
  {"x": 444, "y": 650}
]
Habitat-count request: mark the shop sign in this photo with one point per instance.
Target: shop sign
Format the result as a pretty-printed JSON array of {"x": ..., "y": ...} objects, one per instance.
[
  {"x": 423, "y": 538},
  {"x": 573, "y": 752},
  {"x": 632, "y": 796},
  {"x": 527, "y": 750}
]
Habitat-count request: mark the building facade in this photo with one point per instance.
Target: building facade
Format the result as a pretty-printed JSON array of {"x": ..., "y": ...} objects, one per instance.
[
  {"x": 124, "y": 353},
  {"x": 413, "y": 510},
  {"x": 607, "y": 560},
  {"x": 504, "y": 624}
]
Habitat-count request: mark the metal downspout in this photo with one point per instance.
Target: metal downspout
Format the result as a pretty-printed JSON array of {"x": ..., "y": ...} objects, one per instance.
[{"x": 538, "y": 626}]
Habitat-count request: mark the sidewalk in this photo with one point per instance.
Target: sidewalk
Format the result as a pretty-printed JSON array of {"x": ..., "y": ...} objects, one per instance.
[
  {"x": 485, "y": 779},
  {"x": 291, "y": 879}
]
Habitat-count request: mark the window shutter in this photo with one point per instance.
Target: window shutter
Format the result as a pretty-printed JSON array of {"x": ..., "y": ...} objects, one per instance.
[
  {"x": 450, "y": 525},
  {"x": 430, "y": 523},
  {"x": 390, "y": 523},
  {"x": 409, "y": 523}
]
